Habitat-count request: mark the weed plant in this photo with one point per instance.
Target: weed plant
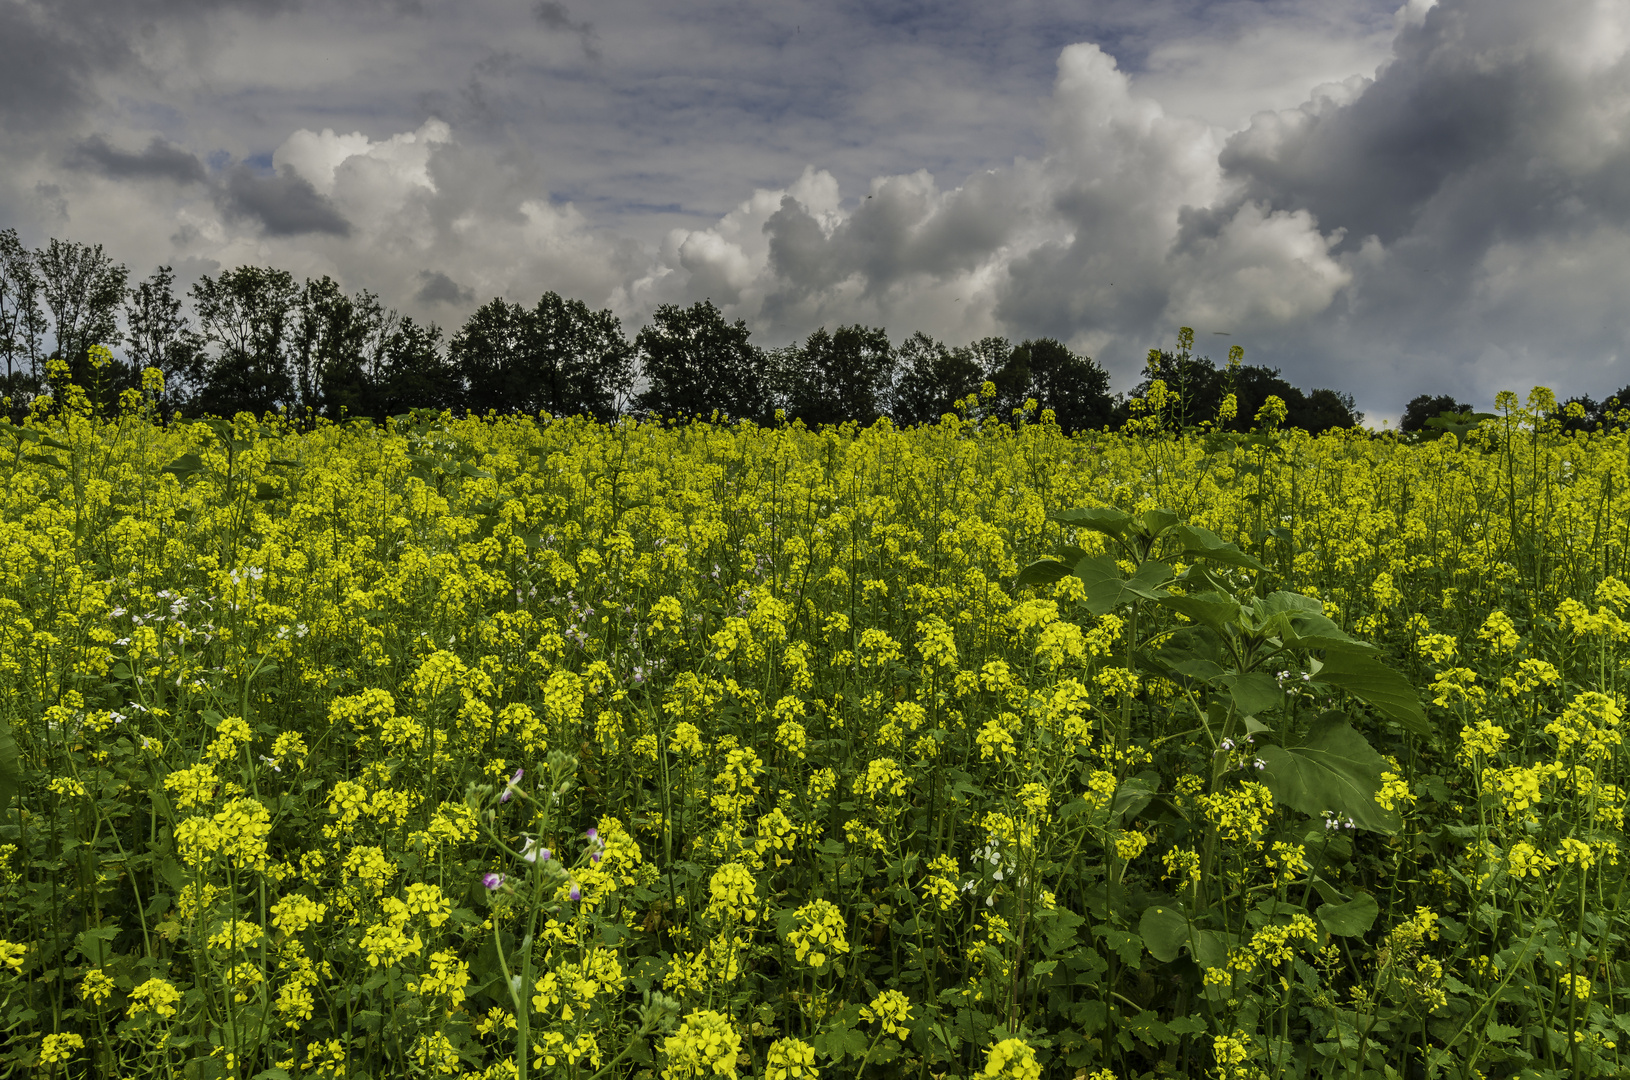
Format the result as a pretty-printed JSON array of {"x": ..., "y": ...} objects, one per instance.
[{"x": 528, "y": 747}]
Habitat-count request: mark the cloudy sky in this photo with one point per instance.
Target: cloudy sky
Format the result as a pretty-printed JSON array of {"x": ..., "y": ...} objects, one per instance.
[{"x": 1381, "y": 199}]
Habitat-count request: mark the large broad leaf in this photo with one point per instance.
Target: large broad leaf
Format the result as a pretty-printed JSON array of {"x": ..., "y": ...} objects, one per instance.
[
  {"x": 11, "y": 767},
  {"x": 1299, "y": 621},
  {"x": 1131, "y": 797},
  {"x": 1156, "y": 520},
  {"x": 1217, "y": 610},
  {"x": 1351, "y": 919},
  {"x": 185, "y": 465},
  {"x": 1205, "y": 544},
  {"x": 1107, "y": 590},
  {"x": 1194, "y": 652},
  {"x": 1254, "y": 692},
  {"x": 1365, "y": 677},
  {"x": 1041, "y": 572},
  {"x": 1104, "y": 519},
  {"x": 1165, "y": 930},
  {"x": 1334, "y": 769}
]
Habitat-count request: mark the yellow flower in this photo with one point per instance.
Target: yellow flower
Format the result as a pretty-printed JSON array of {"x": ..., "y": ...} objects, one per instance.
[
  {"x": 1129, "y": 844},
  {"x": 1394, "y": 791},
  {"x": 820, "y": 930},
  {"x": 790, "y": 1059},
  {"x": 891, "y": 1009},
  {"x": 58, "y": 1049},
  {"x": 1012, "y": 1059},
  {"x": 1527, "y": 861},
  {"x": 1483, "y": 738},
  {"x": 155, "y": 995},
  {"x": 96, "y": 987},
  {"x": 704, "y": 1045}
]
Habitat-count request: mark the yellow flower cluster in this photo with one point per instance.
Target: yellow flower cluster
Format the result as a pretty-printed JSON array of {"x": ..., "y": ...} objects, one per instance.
[
  {"x": 821, "y": 930},
  {"x": 704, "y": 1045}
]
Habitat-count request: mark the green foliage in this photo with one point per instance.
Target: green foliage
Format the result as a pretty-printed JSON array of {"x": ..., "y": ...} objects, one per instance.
[{"x": 1300, "y": 756}]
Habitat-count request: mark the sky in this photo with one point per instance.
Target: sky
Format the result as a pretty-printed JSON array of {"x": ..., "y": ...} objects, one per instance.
[{"x": 1433, "y": 198}]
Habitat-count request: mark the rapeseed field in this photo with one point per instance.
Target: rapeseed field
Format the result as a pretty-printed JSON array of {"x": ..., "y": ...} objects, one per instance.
[{"x": 529, "y": 747}]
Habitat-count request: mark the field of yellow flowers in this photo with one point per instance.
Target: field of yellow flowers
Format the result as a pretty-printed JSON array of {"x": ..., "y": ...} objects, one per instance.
[{"x": 542, "y": 748}]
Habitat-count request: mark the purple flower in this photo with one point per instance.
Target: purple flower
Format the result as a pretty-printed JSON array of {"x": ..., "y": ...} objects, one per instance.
[
  {"x": 595, "y": 857},
  {"x": 576, "y": 894},
  {"x": 509, "y": 789},
  {"x": 593, "y": 834},
  {"x": 516, "y": 779},
  {"x": 492, "y": 881}
]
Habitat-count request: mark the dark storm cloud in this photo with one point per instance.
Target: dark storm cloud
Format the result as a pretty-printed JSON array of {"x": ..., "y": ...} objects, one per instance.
[
  {"x": 160, "y": 161},
  {"x": 284, "y": 205},
  {"x": 1478, "y": 179},
  {"x": 44, "y": 69},
  {"x": 554, "y": 16},
  {"x": 904, "y": 228},
  {"x": 1046, "y": 168},
  {"x": 438, "y": 288}
]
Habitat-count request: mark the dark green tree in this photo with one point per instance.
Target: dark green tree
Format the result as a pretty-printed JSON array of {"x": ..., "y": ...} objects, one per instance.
[
  {"x": 579, "y": 361},
  {"x": 695, "y": 362},
  {"x": 158, "y": 335},
  {"x": 1424, "y": 407},
  {"x": 1195, "y": 386},
  {"x": 414, "y": 372},
  {"x": 1074, "y": 387},
  {"x": 844, "y": 375},
  {"x": 1324, "y": 410},
  {"x": 559, "y": 357},
  {"x": 22, "y": 322},
  {"x": 335, "y": 344},
  {"x": 83, "y": 287},
  {"x": 486, "y": 352},
  {"x": 932, "y": 379},
  {"x": 245, "y": 314}
]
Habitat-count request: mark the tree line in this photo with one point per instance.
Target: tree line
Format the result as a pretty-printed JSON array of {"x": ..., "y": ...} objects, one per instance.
[{"x": 253, "y": 339}]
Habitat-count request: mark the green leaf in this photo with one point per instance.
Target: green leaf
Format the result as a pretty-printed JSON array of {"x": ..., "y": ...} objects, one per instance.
[
  {"x": 1156, "y": 520},
  {"x": 1351, "y": 919},
  {"x": 1209, "y": 948},
  {"x": 1194, "y": 652},
  {"x": 185, "y": 465},
  {"x": 1187, "y": 1025},
  {"x": 1149, "y": 1030},
  {"x": 1128, "y": 945},
  {"x": 1041, "y": 572},
  {"x": 1107, "y": 590},
  {"x": 1204, "y": 544},
  {"x": 1131, "y": 797},
  {"x": 1332, "y": 769},
  {"x": 1370, "y": 680},
  {"x": 1217, "y": 610},
  {"x": 1165, "y": 931},
  {"x": 1254, "y": 692},
  {"x": 11, "y": 766},
  {"x": 1102, "y": 519}
]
